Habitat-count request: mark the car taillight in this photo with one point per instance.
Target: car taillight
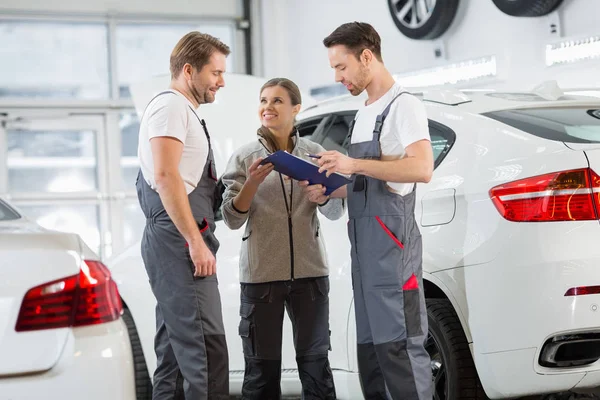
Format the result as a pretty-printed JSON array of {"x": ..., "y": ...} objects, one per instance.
[
  {"x": 560, "y": 196},
  {"x": 88, "y": 298}
]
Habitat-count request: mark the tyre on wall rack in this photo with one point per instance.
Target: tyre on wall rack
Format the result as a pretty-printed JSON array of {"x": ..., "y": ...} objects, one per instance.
[
  {"x": 527, "y": 8},
  {"x": 423, "y": 19}
]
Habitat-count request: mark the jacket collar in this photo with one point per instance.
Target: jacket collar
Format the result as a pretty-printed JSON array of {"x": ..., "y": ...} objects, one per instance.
[{"x": 295, "y": 139}]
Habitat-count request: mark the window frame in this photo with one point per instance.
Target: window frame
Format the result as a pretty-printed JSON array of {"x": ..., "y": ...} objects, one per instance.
[
  {"x": 446, "y": 132},
  {"x": 66, "y": 20},
  {"x": 112, "y": 21},
  {"x": 525, "y": 120}
]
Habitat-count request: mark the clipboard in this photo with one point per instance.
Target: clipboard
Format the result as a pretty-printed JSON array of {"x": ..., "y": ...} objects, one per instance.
[{"x": 302, "y": 170}]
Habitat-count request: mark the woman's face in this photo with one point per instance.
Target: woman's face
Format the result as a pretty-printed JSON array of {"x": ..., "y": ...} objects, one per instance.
[{"x": 276, "y": 110}]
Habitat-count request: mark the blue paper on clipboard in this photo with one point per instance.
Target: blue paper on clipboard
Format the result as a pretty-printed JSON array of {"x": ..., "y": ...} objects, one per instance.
[{"x": 302, "y": 170}]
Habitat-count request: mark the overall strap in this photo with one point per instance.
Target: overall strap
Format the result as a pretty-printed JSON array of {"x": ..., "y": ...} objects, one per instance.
[
  {"x": 349, "y": 135},
  {"x": 381, "y": 118},
  {"x": 203, "y": 126},
  {"x": 154, "y": 98}
]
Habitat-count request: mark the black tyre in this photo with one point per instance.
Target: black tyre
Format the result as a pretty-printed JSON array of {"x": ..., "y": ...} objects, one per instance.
[
  {"x": 143, "y": 384},
  {"x": 423, "y": 19},
  {"x": 454, "y": 374},
  {"x": 527, "y": 8}
]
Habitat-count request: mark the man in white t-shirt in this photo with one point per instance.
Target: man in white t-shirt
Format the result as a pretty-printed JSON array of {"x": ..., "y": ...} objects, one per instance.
[
  {"x": 405, "y": 125},
  {"x": 177, "y": 191},
  {"x": 389, "y": 152},
  {"x": 173, "y": 117}
]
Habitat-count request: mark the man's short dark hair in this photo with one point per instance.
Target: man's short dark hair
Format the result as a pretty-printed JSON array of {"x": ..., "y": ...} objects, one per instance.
[{"x": 356, "y": 36}]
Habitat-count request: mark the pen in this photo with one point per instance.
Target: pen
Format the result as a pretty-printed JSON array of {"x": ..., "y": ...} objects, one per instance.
[{"x": 312, "y": 155}]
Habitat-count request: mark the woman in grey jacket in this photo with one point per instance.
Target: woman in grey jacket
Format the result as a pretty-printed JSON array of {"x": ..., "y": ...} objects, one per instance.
[{"x": 283, "y": 263}]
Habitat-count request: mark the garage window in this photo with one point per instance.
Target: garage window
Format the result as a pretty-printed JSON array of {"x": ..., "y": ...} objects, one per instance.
[
  {"x": 143, "y": 50},
  {"x": 51, "y": 161},
  {"x": 54, "y": 60},
  {"x": 568, "y": 124},
  {"x": 68, "y": 152}
]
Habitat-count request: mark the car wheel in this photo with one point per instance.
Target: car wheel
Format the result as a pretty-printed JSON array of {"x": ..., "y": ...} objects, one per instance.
[
  {"x": 423, "y": 19},
  {"x": 527, "y": 8},
  {"x": 454, "y": 373},
  {"x": 143, "y": 384}
]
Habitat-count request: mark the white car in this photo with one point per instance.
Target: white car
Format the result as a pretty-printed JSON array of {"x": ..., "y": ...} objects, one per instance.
[
  {"x": 509, "y": 223},
  {"x": 63, "y": 333}
]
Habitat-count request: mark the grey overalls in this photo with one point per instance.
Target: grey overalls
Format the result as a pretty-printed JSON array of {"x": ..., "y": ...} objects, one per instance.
[
  {"x": 391, "y": 319},
  {"x": 190, "y": 337}
]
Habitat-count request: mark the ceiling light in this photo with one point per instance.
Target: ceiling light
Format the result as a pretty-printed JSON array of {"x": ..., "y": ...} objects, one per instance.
[
  {"x": 460, "y": 72},
  {"x": 570, "y": 51}
]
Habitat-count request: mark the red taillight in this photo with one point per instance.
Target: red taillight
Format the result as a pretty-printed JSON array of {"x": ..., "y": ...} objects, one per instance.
[
  {"x": 583, "y": 291},
  {"x": 88, "y": 298},
  {"x": 559, "y": 196}
]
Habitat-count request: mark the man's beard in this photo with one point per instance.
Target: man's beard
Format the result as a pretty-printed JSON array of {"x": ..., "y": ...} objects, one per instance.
[
  {"x": 359, "y": 86},
  {"x": 202, "y": 94}
]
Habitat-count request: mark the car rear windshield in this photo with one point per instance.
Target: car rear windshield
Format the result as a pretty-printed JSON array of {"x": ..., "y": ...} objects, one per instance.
[
  {"x": 7, "y": 213},
  {"x": 568, "y": 124}
]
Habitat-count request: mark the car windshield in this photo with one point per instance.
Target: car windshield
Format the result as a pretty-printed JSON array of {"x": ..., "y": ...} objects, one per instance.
[
  {"x": 565, "y": 124},
  {"x": 7, "y": 213}
]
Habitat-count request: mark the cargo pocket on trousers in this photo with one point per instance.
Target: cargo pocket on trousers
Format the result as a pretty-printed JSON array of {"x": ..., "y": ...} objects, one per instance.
[
  {"x": 412, "y": 307},
  {"x": 319, "y": 288},
  {"x": 246, "y": 329},
  {"x": 389, "y": 232}
]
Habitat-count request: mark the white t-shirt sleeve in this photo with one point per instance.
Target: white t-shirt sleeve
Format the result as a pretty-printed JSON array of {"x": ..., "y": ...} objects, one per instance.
[
  {"x": 410, "y": 120},
  {"x": 168, "y": 117}
]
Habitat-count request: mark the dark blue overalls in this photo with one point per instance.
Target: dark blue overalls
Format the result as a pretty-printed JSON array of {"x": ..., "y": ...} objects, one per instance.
[
  {"x": 387, "y": 279},
  {"x": 190, "y": 336}
]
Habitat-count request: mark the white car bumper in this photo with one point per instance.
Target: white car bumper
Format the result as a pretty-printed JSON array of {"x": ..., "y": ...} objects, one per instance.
[
  {"x": 511, "y": 374},
  {"x": 96, "y": 364},
  {"x": 517, "y": 302}
]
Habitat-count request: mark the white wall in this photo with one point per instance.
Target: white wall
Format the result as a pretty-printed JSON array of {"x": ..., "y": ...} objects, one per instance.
[
  {"x": 201, "y": 8},
  {"x": 293, "y": 32}
]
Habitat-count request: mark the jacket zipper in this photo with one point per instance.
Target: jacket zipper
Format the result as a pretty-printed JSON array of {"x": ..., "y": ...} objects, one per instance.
[
  {"x": 288, "y": 209},
  {"x": 290, "y": 226}
]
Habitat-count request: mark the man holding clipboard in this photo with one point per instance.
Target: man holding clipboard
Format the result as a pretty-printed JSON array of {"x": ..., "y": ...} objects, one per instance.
[{"x": 389, "y": 153}]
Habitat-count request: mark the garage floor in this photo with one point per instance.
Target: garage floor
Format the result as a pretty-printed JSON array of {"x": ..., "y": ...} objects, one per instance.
[
  {"x": 561, "y": 396},
  {"x": 564, "y": 396}
]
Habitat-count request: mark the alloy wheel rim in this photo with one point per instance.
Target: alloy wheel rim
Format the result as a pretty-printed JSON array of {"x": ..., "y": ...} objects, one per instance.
[
  {"x": 413, "y": 13},
  {"x": 438, "y": 369}
]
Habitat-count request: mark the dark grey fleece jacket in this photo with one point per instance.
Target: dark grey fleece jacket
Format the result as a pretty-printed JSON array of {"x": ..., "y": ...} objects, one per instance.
[{"x": 275, "y": 248}]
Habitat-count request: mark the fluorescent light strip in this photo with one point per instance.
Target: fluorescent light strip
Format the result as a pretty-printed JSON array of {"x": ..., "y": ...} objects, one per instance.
[
  {"x": 464, "y": 71},
  {"x": 571, "y": 51}
]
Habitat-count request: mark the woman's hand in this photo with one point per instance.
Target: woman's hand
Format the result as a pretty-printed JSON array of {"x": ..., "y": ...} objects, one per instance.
[
  {"x": 314, "y": 193},
  {"x": 257, "y": 173}
]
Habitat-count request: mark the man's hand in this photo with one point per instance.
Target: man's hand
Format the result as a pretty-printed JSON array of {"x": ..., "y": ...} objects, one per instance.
[
  {"x": 315, "y": 193},
  {"x": 203, "y": 259},
  {"x": 257, "y": 173},
  {"x": 334, "y": 161}
]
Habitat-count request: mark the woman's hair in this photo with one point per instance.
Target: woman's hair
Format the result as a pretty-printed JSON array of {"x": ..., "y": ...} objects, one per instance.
[{"x": 295, "y": 97}]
